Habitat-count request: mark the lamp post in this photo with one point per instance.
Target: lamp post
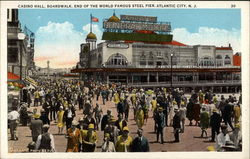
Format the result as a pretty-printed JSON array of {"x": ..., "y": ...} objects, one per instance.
[
  {"x": 21, "y": 37},
  {"x": 171, "y": 62}
]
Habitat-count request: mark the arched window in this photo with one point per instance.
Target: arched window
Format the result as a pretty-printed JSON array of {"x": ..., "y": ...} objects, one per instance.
[
  {"x": 151, "y": 58},
  {"x": 206, "y": 61},
  {"x": 219, "y": 60},
  {"x": 117, "y": 60},
  {"x": 227, "y": 60},
  {"x": 143, "y": 59}
]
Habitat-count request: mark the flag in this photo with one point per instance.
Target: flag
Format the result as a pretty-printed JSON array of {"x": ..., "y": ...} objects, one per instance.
[{"x": 94, "y": 19}]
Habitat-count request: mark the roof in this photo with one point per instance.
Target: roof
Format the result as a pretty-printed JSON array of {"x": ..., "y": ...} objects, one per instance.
[
  {"x": 176, "y": 43},
  {"x": 223, "y": 48},
  {"x": 113, "y": 19},
  {"x": 91, "y": 36},
  {"x": 12, "y": 76}
]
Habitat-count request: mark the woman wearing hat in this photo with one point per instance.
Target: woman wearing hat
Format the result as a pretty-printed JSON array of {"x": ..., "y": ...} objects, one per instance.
[
  {"x": 124, "y": 141},
  {"x": 107, "y": 146},
  {"x": 60, "y": 121},
  {"x": 89, "y": 139},
  {"x": 73, "y": 135},
  {"x": 140, "y": 117}
]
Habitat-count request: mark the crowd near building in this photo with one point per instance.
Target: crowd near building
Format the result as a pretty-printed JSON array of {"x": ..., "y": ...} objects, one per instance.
[
  {"x": 136, "y": 54},
  {"x": 140, "y": 76}
]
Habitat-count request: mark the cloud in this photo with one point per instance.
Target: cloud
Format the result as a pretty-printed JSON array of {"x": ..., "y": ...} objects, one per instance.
[
  {"x": 59, "y": 42},
  {"x": 209, "y": 36},
  {"x": 95, "y": 29}
]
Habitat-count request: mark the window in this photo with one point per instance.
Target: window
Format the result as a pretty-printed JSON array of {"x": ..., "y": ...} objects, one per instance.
[
  {"x": 227, "y": 60},
  {"x": 158, "y": 54},
  {"x": 117, "y": 60},
  {"x": 12, "y": 55},
  {"x": 206, "y": 61},
  {"x": 219, "y": 60},
  {"x": 151, "y": 59},
  {"x": 143, "y": 59}
]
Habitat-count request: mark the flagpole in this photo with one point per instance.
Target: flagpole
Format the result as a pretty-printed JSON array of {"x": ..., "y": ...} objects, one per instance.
[{"x": 91, "y": 23}]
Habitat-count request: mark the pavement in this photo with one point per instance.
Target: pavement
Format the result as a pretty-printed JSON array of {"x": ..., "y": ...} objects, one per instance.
[{"x": 190, "y": 140}]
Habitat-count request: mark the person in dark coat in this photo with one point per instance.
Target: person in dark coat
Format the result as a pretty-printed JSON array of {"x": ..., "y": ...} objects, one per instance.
[
  {"x": 105, "y": 120},
  {"x": 36, "y": 128},
  {"x": 88, "y": 120},
  {"x": 215, "y": 122},
  {"x": 120, "y": 124},
  {"x": 44, "y": 117},
  {"x": 140, "y": 143},
  {"x": 228, "y": 112},
  {"x": 190, "y": 111},
  {"x": 120, "y": 107},
  {"x": 176, "y": 125},
  {"x": 24, "y": 116},
  {"x": 196, "y": 110},
  {"x": 69, "y": 115},
  {"x": 160, "y": 124}
]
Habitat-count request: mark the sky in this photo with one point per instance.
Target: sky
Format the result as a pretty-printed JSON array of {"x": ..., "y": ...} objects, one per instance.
[{"x": 59, "y": 32}]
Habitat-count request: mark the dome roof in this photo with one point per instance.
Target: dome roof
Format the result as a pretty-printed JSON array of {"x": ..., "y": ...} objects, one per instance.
[
  {"x": 91, "y": 36},
  {"x": 113, "y": 19}
]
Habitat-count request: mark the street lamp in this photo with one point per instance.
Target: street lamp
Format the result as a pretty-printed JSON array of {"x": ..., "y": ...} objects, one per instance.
[
  {"x": 21, "y": 37},
  {"x": 171, "y": 63}
]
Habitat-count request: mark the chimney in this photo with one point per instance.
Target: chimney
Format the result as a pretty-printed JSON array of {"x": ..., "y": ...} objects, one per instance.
[{"x": 229, "y": 45}]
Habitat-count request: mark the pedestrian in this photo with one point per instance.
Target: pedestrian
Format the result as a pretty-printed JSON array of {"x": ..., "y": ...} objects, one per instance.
[
  {"x": 160, "y": 124},
  {"x": 204, "y": 121},
  {"x": 120, "y": 123},
  {"x": 112, "y": 130},
  {"x": 215, "y": 122},
  {"x": 89, "y": 120},
  {"x": 24, "y": 116},
  {"x": 176, "y": 125},
  {"x": 120, "y": 107},
  {"x": 37, "y": 97},
  {"x": 197, "y": 109},
  {"x": 107, "y": 145},
  {"x": 13, "y": 118},
  {"x": 126, "y": 106},
  {"x": 153, "y": 104},
  {"x": 44, "y": 117},
  {"x": 228, "y": 113},
  {"x": 98, "y": 115},
  {"x": 69, "y": 115},
  {"x": 124, "y": 141},
  {"x": 53, "y": 109},
  {"x": 60, "y": 120},
  {"x": 87, "y": 108},
  {"x": 45, "y": 141},
  {"x": 36, "y": 128},
  {"x": 182, "y": 112},
  {"x": 190, "y": 111},
  {"x": 140, "y": 143},
  {"x": 237, "y": 113},
  {"x": 222, "y": 138},
  {"x": 236, "y": 137},
  {"x": 140, "y": 117},
  {"x": 105, "y": 119},
  {"x": 89, "y": 139},
  {"x": 74, "y": 138}
]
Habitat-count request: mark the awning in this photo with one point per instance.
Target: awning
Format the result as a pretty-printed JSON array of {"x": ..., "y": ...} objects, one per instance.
[
  {"x": 13, "y": 76},
  {"x": 31, "y": 81}
]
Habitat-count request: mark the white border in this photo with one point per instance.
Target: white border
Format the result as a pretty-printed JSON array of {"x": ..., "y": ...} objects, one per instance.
[{"x": 244, "y": 6}]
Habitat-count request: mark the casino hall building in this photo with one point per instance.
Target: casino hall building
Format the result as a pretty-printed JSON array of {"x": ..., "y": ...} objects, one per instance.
[{"x": 140, "y": 51}]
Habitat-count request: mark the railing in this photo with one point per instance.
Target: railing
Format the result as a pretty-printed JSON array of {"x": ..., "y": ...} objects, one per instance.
[{"x": 189, "y": 82}]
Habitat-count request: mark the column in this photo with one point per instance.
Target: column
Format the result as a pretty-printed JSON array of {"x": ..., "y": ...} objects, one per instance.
[
  {"x": 148, "y": 78},
  {"x": 220, "y": 89},
  {"x": 227, "y": 89},
  {"x": 157, "y": 77},
  {"x": 132, "y": 78},
  {"x": 107, "y": 79}
]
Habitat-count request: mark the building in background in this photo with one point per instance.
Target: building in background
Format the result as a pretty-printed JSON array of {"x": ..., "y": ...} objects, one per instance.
[{"x": 140, "y": 51}]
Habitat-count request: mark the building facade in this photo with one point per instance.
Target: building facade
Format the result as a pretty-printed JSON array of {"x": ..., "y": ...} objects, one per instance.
[
  {"x": 20, "y": 54},
  {"x": 156, "y": 63}
]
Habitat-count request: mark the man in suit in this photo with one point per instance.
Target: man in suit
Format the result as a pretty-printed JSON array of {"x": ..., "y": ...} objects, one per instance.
[
  {"x": 160, "y": 124},
  {"x": 140, "y": 143},
  {"x": 176, "y": 124},
  {"x": 69, "y": 115},
  {"x": 36, "y": 127}
]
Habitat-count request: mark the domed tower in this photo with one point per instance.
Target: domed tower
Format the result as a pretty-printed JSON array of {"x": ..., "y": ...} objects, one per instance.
[
  {"x": 113, "y": 18},
  {"x": 91, "y": 39}
]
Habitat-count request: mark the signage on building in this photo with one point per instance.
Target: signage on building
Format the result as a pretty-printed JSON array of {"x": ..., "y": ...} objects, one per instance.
[
  {"x": 118, "y": 45},
  {"x": 138, "y": 18},
  {"x": 136, "y": 26}
]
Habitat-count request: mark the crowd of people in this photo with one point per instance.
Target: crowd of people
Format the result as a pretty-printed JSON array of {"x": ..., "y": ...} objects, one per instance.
[{"x": 60, "y": 99}]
